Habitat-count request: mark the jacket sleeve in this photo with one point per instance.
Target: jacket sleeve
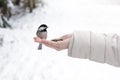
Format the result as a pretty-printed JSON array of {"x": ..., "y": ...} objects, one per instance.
[{"x": 104, "y": 48}]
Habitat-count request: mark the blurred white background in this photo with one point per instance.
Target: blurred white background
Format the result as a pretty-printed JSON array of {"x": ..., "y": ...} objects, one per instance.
[{"x": 20, "y": 59}]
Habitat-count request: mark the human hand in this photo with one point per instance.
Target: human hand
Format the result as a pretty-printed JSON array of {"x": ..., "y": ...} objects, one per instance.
[{"x": 57, "y": 44}]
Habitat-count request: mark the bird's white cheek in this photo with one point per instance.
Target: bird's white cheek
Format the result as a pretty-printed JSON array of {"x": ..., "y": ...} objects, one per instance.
[{"x": 42, "y": 28}]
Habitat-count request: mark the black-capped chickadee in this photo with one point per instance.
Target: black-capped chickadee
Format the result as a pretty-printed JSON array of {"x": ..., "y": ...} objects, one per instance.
[{"x": 42, "y": 33}]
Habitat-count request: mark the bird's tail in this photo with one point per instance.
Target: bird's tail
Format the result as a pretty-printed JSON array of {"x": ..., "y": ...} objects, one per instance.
[{"x": 40, "y": 46}]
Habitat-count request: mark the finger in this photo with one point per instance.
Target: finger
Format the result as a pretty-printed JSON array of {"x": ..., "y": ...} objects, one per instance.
[
  {"x": 55, "y": 40},
  {"x": 37, "y": 39},
  {"x": 49, "y": 43}
]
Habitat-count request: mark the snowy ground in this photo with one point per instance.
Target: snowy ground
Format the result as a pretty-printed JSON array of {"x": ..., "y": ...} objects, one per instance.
[{"x": 20, "y": 59}]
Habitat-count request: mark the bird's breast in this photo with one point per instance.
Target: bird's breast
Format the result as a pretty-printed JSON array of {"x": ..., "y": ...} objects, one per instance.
[{"x": 42, "y": 35}]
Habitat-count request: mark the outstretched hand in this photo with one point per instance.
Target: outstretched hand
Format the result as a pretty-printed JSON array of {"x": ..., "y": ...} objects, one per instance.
[{"x": 63, "y": 42}]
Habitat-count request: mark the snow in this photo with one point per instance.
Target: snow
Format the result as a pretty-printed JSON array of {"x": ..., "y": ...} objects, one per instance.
[{"x": 20, "y": 59}]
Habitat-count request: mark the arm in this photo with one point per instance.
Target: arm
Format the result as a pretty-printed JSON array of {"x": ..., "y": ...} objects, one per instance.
[
  {"x": 104, "y": 48},
  {"x": 57, "y": 45}
]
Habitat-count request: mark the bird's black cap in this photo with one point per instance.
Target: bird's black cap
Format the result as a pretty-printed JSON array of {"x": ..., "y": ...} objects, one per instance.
[{"x": 43, "y": 25}]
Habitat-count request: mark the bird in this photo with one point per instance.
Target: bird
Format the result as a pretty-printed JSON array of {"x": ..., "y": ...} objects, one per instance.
[{"x": 42, "y": 33}]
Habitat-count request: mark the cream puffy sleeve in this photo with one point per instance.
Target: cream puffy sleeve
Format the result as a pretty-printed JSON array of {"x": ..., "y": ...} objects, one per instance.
[{"x": 104, "y": 48}]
